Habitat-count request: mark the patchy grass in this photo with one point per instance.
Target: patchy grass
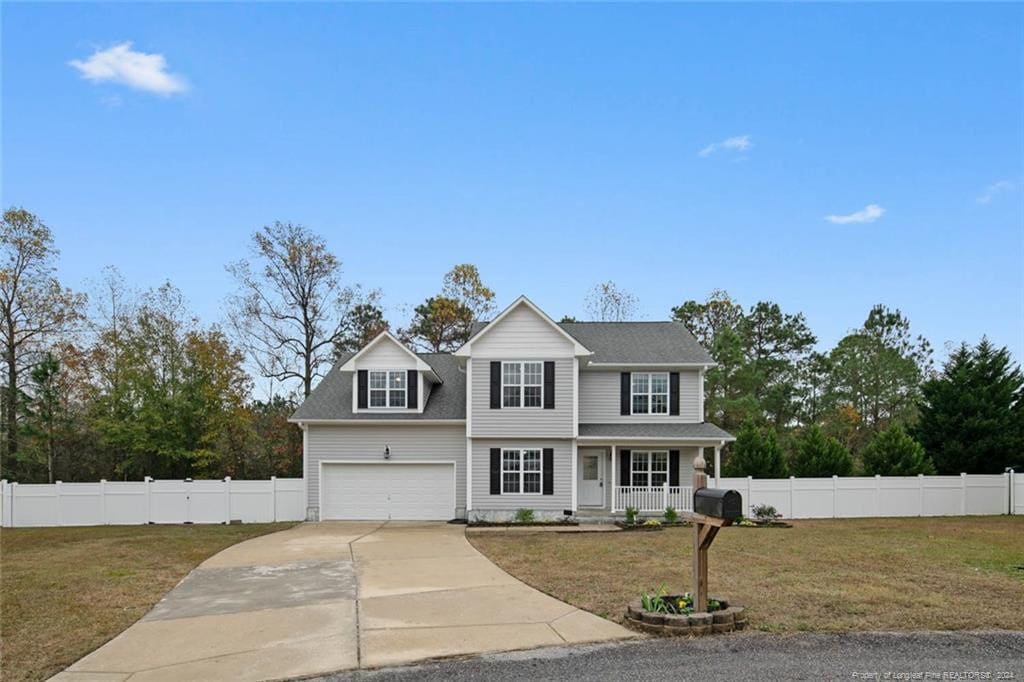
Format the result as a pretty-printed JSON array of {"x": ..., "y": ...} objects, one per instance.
[
  {"x": 850, "y": 574},
  {"x": 66, "y": 591}
]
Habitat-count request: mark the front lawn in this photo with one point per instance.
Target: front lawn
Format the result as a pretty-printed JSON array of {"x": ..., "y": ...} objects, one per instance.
[
  {"x": 66, "y": 591},
  {"x": 850, "y": 574}
]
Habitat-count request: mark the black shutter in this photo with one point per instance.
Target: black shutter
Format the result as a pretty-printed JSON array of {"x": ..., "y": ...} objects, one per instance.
[
  {"x": 673, "y": 394},
  {"x": 625, "y": 477},
  {"x": 496, "y": 385},
  {"x": 361, "y": 389},
  {"x": 549, "y": 385},
  {"x": 495, "y": 471},
  {"x": 624, "y": 397},
  {"x": 412, "y": 390},
  {"x": 549, "y": 471},
  {"x": 673, "y": 467}
]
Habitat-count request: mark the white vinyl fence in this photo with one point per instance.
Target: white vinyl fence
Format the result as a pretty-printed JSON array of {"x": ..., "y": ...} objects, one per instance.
[
  {"x": 152, "y": 501},
  {"x": 864, "y": 496}
]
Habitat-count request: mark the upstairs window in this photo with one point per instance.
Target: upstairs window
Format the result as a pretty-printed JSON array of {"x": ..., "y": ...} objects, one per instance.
[
  {"x": 648, "y": 468},
  {"x": 522, "y": 384},
  {"x": 650, "y": 392},
  {"x": 388, "y": 388}
]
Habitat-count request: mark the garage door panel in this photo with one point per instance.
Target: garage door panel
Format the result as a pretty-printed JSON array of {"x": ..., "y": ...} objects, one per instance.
[{"x": 363, "y": 491}]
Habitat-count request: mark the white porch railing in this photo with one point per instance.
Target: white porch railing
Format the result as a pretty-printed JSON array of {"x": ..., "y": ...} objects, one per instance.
[{"x": 653, "y": 498}]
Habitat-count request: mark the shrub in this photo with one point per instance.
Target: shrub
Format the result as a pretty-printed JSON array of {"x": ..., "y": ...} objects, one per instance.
[
  {"x": 755, "y": 453},
  {"x": 765, "y": 512},
  {"x": 652, "y": 522},
  {"x": 671, "y": 515},
  {"x": 820, "y": 455},
  {"x": 894, "y": 453},
  {"x": 631, "y": 513},
  {"x": 524, "y": 516}
]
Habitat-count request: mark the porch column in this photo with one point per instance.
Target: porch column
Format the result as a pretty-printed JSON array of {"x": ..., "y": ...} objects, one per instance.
[
  {"x": 718, "y": 465},
  {"x": 615, "y": 474}
]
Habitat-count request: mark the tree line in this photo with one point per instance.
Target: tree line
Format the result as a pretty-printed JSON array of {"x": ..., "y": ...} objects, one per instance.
[{"x": 118, "y": 383}]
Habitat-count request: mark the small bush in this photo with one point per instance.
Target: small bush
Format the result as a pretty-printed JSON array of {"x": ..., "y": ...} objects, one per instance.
[
  {"x": 765, "y": 512},
  {"x": 631, "y": 513},
  {"x": 524, "y": 516},
  {"x": 652, "y": 522},
  {"x": 671, "y": 515}
]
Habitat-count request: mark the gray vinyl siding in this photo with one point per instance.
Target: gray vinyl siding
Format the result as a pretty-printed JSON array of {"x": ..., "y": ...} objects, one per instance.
[
  {"x": 408, "y": 443},
  {"x": 523, "y": 422},
  {"x": 599, "y": 399},
  {"x": 482, "y": 498}
]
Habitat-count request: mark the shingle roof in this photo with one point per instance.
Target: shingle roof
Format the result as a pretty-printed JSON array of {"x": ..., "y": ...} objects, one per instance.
[
  {"x": 638, "y": 342},
  {"x": 702, "y": 430},
  {"x": 332, "y": 398}
]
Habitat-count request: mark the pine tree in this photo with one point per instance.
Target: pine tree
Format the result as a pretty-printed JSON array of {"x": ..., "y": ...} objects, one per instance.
[
  {"x": 894, "y": 452},
  {"x": 971, "y": 420},
  {"x": 819, "y": 455},
  {"x": 755, "y": 453}
]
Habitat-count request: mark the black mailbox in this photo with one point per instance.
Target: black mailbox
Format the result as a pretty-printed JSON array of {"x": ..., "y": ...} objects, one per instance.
[{"x": 719, "y": 503}]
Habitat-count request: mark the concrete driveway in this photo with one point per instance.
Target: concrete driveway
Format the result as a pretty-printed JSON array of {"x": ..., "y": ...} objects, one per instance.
[{"x": 326, "y": 597}]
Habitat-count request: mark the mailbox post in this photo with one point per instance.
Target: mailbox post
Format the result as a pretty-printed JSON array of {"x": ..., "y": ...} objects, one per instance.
[{"x": 712, "y": 509}]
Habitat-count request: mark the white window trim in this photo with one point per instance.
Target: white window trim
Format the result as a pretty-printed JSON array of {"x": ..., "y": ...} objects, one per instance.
[
  {"x": 648, "y": 470},
  {"x": 522, "y": 385},
  {"x": 522, "y": 478},
  {"x": 649, "y": 393},
  {"x": 387, "y": 390}
]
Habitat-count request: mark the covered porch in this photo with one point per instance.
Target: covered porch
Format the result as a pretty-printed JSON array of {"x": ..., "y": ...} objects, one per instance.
[{"x": 645, "y": 466}]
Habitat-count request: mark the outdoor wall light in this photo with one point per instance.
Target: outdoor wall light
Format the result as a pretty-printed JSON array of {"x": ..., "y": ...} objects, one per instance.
[{"x": 387, "y": 452}]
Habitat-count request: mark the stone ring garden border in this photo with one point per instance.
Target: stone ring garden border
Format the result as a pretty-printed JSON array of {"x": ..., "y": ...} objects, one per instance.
[{"x": 729, "y": 618}]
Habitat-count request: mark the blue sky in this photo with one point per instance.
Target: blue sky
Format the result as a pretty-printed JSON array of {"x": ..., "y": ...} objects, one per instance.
[{"x": 671, "y": 148}]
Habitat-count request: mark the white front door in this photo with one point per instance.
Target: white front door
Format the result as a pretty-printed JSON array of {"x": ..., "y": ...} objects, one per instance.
[{"x": 591, "y": 483}]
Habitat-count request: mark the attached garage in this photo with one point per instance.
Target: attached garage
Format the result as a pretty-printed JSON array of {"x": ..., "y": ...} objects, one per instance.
[{"x": 421, "y": 491}]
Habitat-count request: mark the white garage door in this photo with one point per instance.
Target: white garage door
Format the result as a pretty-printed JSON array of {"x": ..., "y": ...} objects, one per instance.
[{"x": 414, "y": 492}]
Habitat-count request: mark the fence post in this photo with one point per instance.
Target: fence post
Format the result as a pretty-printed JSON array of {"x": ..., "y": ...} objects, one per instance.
[
  {"x": 1013, "y": 501},
  {"x": 60, "y": 515},
  {"x": 792, "y": 505},
  {"x": 103, "y": 501},
  {"x": 920, "y": 494},
  {"x": 835, "y": 495},
  {"x": 963, "y": 494},
  {"x": 273, "y": 498},
  {"x": 5, "y": 492},
  {"x": 664, "y": 495},
  {"x": 227, "y": 500},
  {"x": 14, "y": 495},
  {"x": 149, "y": 498},
  {"x": 878, "y": 493},
  {"x": 750, "y": 494}
]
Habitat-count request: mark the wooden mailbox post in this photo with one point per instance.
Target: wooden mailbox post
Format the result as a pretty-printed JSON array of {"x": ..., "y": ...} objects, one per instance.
[{"x": 705, "y": 528}]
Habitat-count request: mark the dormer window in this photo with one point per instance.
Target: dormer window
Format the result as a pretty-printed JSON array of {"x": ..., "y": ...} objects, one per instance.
[
  {"x": 650, "y": 392},
  {"x": 388, "y": 388}
]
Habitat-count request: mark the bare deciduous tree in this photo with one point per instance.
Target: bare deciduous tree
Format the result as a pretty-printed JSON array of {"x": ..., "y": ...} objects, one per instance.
[
  {"x": 34, "y": 308},
  {"x": 288, "y": 311},
  {"x": 606, "y": 302}
]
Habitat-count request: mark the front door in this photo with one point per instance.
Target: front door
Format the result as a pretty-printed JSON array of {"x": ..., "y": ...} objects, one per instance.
[{"x": 591, "y": 483}]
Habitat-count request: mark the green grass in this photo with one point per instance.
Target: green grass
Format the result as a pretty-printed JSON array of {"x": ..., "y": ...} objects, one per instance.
[
  {"x": 66, "y": 591},
  {"x": 850, "y": 574}
]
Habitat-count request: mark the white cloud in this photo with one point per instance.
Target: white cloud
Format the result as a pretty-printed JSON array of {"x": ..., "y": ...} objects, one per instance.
[
  {"x": 121, "y": 64},
  {"x": 869, "y": 214},
  {"x": 994, "y": 190},
  {"x": 739, "y": 143}
]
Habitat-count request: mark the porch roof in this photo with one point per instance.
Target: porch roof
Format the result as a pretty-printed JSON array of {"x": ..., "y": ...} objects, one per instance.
[{"x": 703, "y": 431}]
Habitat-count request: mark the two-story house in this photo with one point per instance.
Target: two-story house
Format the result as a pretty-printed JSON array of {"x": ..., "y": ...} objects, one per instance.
[{"x": 559, "y": 418}]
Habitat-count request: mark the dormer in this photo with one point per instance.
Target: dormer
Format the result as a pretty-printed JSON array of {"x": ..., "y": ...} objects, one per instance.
[{"x": 389, "y": 378}]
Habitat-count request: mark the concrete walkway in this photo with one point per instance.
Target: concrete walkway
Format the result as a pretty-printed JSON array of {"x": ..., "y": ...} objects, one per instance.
[{"x": 327, "y": 597}]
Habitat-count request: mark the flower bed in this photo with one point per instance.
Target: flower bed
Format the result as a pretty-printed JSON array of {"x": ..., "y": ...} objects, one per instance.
[{"x": 674, "y": 616}]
